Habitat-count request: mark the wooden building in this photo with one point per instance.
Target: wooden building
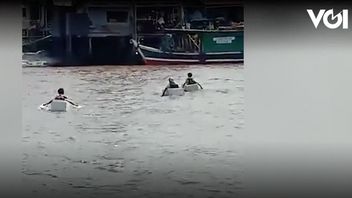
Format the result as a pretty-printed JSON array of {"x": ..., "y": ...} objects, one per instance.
[{"x": 99, "y": 31}]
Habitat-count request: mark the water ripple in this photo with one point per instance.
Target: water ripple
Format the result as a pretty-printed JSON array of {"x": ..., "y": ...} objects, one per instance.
[{"x": 127, "y": 140}]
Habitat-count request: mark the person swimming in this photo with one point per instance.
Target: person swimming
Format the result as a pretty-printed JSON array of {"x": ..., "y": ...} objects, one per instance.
[
  {"x": 61, "y": 96},
  {"x": 171, "y": 84},
  {"x": 191, "y": 81}
]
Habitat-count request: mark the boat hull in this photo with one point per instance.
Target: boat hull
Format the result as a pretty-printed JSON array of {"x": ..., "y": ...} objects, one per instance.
[
  {"x": 153, "y": 56},
  {"x": 156, "y": 59}
]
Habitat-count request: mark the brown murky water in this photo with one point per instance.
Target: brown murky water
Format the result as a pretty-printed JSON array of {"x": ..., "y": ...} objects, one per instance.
[{"x": 127, "y": 141}]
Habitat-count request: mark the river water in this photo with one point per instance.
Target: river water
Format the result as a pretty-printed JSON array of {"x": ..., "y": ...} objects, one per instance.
[{"x": 127, "y": 141}]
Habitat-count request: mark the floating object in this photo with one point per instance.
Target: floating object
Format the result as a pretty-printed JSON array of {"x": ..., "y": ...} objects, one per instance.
[
  {"x": 27, "y": 63},
  {"x": 58, "y": 105},
  {"x": 48, "y": 108},
  {"x": 174, "y": 92},
  {"x": 191, "y": 87}
]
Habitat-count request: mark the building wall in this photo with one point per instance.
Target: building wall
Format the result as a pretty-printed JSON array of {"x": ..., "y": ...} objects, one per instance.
[
  {"x": 101, "y": 26},
  {"x": 82, "y": 34}
]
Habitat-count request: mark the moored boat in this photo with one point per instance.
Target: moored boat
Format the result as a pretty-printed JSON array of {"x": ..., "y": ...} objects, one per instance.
[
  {"x": 187, "y": 46},
  {"x": 27, "y": 63}
]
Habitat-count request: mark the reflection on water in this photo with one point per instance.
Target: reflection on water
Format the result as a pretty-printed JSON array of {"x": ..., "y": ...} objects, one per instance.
[{"x": 129, "y": 141}]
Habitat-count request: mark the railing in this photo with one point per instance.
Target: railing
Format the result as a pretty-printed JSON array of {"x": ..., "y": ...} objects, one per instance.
[
  {"x": 186, "y": 43},
  {"x": 176, "y": 43},
  {"x": 34, "y": 28},
  {"x": 34, "y": 39}
]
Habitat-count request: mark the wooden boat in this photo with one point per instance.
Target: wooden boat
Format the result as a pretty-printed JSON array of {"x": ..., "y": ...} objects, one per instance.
[
  {"x": 193, "y": 47},
  {"x": 27, "y": 63}
]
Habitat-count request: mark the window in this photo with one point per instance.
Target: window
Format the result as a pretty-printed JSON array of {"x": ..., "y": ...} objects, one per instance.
[
  {"x": 117, "y": 16},
  {"x": 34, "y": 12}
]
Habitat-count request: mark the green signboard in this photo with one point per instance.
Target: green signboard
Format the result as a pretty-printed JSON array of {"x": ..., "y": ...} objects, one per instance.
[{"x": 231, "y": 41}]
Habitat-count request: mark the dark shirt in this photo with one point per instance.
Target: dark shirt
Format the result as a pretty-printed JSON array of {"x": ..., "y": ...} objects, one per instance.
[
  {"x": 60, "y": 97},
  {"x": 190, "y": 81},
  {"x": 173, "y": 85}
]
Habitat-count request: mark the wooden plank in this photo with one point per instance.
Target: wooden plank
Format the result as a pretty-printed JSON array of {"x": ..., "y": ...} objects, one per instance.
[
  {"x": 197, "y": 30},
  {"x": 62, "y": 2}
]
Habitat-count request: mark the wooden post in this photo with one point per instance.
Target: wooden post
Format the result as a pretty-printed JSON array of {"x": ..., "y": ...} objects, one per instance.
[
  {"x": 68, "y": 36},
  {"x": 90, "y": 45},
  {"x": 46, "y": 20},
  {"x": 42, "y": 19},
  {"x": 182, "y": 14},
  {"x": 134, "y": 20}
]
